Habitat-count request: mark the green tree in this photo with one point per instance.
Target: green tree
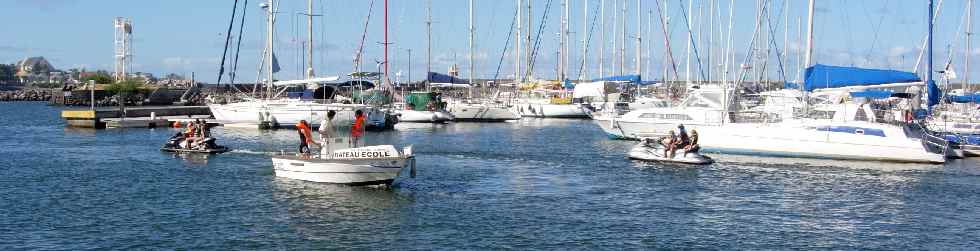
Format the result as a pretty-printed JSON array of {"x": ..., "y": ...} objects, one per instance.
[
  {"x": 7, "y": 73},
  {"x": 101, "y": 78},
  {"x": 124, "y": 89}
]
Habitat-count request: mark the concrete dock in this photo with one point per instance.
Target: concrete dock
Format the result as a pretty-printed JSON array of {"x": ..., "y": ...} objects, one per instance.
[{"x": 136, "y": 117}]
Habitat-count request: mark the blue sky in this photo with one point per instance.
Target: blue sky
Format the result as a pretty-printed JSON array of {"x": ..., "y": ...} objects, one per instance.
[{"x": 188, "y": 36}]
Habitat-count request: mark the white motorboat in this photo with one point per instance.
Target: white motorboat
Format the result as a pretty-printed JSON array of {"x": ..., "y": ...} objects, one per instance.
[
  {"x": 372, "y": 165},
  {"x": 414, "y": 116},
  {"x": 481, "y": 112},
  {"x": 652, "y": 150},
  {"x": 838, "y": 131},
  {"x": 422, "y": 107}
]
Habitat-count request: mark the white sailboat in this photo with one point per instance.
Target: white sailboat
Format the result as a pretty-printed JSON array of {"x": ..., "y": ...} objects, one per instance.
[
  {"x": 427, "y": 106},
  {"x": 275, "y": 110},
  {"x": 484, "y": 109},
  {"x": 547, "y": 104}
]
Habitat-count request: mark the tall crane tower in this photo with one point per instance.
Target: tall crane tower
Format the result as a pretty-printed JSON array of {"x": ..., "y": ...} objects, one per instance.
[{"x": 123, "y": 47}]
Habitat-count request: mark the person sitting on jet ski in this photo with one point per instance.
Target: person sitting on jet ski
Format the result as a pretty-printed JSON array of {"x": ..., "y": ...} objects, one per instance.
[
  {"x": 682, "y": 141},
  {"x": 692, "y": 147},
  {"x": 669, "y": 142},
  {"x": 682, "y": 135}
]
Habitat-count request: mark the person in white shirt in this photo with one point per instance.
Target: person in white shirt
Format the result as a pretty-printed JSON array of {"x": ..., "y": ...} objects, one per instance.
[{"x": 327, "y": 133}]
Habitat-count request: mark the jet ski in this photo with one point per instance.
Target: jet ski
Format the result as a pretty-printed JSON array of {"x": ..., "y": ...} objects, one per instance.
[
  {"x": 179, "y": 144},
  {"x": 653, "y": 150}
]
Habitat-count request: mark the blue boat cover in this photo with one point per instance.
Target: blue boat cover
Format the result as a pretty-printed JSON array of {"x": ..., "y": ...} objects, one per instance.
[
  {"x": 969, "y": 98},
  {"x": 824, "y": 76},
  {"x": 568, "y": 84},
  {"x": 963, "y": 139},
  {"x": 435, "y": 77},
  {"x": 624, "y": 78},
  {"x": 873, "y": 94},
  {"x": 934, "y": 94}
]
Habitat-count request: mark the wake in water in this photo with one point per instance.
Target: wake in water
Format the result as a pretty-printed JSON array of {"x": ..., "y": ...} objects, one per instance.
[{"x": 252, "y": 152}]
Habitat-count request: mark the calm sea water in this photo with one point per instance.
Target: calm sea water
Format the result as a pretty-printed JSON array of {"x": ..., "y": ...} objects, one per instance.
[{"x": 533, "y": 184}]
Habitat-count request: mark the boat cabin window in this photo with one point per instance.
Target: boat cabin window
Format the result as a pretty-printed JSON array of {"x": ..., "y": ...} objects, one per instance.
[{"x": 665, "y": 116}]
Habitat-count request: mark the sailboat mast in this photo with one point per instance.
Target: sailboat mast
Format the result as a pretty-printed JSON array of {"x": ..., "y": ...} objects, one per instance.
[
  {"x": 527, "y": 46},
  {"x": 566, "y": 53},
  {"x": 622, "y": 49},
  {"x": 561, "y": 42},
  {"x": 928, "y": 48},
  {"x": 639, "y": 40},
  {"x": 602, "y": 35},
  {"x": 387, "y": 79},
  {"x": 615, "y": 37},
  {"x": 711, "y": 38},
  {"x": 969, "y": 32},
  {"x": 269, "y": 41},
  {"x": 585, "y": 41},
  {"x": 809, "y": 36},
  {"x": 428, "y": 42},
  {"x": 471, "y": 49},
  {"x": 309, "y": 41},
  {"x": 517, "y": 45},
  {"x": 687, "y": 67}
]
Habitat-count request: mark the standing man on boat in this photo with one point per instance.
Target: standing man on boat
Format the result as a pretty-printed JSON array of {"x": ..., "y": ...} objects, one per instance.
[
  {"x": 358, "y": 129},
  {"x": 327, "y": 133},
  {"x": 305, "y": 137}
]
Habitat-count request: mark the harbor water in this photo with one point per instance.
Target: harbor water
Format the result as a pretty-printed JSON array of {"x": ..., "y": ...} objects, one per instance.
[{"x": 530, "y": 184}]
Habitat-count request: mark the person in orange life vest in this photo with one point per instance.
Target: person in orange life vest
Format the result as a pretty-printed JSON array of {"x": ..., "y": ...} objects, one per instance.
[
  {"x": 358, "y": 130},
  {"x": 305, "y": 137}
]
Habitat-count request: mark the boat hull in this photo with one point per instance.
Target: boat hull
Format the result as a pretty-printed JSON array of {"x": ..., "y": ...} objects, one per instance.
[
  {"x": 550, "y": 110},
  {"x": 220, "y": 149},
  {"x": 879, "y": 142},
  {"x": 339, "y": 171},
  {"x": 482, "y": 113},
  {"x": 413, "y": 116},
  {"x": 289, "y": 113}
]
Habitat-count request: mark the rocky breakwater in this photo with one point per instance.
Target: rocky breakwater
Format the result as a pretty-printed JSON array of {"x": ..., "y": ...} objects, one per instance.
[{"x": 25, "y": 95}]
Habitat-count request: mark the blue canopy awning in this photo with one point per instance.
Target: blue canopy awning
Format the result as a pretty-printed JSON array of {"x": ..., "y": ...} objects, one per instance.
[
  {"x": 969, "y": 98},
  {"x": 872, "y": 94},
  {"x": 624, "y": 78},
  {"x": 825, "y": 76},
  {"x": 435, "y": 77}
]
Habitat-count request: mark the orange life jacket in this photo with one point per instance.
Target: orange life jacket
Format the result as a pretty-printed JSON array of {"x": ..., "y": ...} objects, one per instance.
[{"x": 358, "y": 128}]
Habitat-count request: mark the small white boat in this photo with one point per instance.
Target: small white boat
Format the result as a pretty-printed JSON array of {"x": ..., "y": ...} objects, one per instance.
[
  {"x": 413, "y": 116},
  {"x": 422, "y": 107},
  {"x": 652, "y": 150},
  {"x": 371, "y": 165}
]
